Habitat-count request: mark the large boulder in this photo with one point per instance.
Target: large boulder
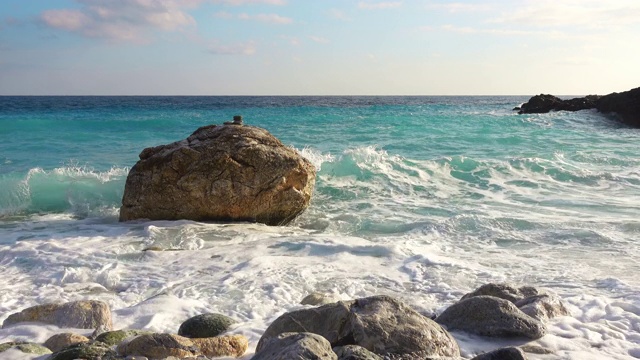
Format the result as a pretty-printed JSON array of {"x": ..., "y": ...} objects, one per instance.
[
  {"x": 491, "y": 316},
  {"x": 380, "y": 324},
  {"x": 537, "y": 303},
  {"x": 220, "y": 173},
  {"x": 84, "y": 314}
]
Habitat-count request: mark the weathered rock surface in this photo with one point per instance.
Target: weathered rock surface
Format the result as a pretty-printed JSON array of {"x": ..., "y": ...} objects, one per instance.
[
  {"x": 625, "y": 104},
  {"x": 287, "y": 346},
  {"x": 205, "y": 326},
  {"x": 504, "y": 291},
  {"x": 385, "y": 325},
  {"x": 536, "y": 303},
  {"x": 379, "y": 324},
  {"x": 25, "y": 347},
  {"x": 490, "y": 316},
  {"x": 58, "y": 342},
  {"x": 327, "y": 321},
  {"x": 117, "y": 336},
  {"x": 232, "y": 345},
  {"x": 95, "y": 351},
  {"x": 85, "y": 314},
  {"x": 220, "y": 173},
  {"x": 542, "y": 307},
  {"x": 159, "y": 346},
  {"x": 355, "y": 352},
  {"x": 509, "y": 353}
]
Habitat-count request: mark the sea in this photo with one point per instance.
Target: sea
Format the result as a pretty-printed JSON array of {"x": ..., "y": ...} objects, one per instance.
[{"x": 421, "y": 198}]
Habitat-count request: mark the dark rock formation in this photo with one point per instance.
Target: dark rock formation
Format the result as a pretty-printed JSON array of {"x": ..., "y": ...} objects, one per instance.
[
  {"x": 625, "y": 104},
  {"x": 379, "y": 324},
  {"x": 219, "y": 173}
]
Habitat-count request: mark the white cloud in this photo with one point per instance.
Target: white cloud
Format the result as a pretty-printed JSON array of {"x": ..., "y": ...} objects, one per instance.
[
  {"x": 379, "y": 5},
  {"x": 589, "y": 14},
  {"x": 121, "y": 20},
  {"x": 267, "y": 18},
  {"x": 505, "y": 32},
  {"x": 248, "y": 48}
]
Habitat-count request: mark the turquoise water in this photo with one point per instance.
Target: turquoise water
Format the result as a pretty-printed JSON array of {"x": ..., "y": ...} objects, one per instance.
[
  {"x": 60, "y": 154},
  {"x": 424, "y": 198}
]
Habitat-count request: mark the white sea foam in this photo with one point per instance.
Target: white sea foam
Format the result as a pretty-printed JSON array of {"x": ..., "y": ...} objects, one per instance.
[{"x": 426, "y": 231}]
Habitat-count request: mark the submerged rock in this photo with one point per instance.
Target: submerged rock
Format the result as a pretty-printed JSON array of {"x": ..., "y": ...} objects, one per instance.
[
  {"x": 205, "y": 326},
  {"x": 490, "y": 316},
  {"x": 379, "y": 324},
  {"x": 287, "y": 346},
  {"x": 220, "y": 173},
  {"x": 85, "y": 314}
]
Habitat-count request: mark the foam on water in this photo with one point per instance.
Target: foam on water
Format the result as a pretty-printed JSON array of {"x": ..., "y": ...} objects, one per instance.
[{"x": 422, "y": 200}]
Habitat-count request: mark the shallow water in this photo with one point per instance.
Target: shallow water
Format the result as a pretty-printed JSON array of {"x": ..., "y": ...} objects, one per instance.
[{"x": 422, "y": 198}]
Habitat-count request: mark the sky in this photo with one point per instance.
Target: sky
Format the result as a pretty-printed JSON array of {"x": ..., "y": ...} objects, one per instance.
[{"x": 318, "y": 47}]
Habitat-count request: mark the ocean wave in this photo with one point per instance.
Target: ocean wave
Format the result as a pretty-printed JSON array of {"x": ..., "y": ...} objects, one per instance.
[{"x": 77, "y": 189}]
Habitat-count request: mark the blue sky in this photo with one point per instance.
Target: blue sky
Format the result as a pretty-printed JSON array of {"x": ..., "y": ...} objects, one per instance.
[{"x": 318, "y": 47}]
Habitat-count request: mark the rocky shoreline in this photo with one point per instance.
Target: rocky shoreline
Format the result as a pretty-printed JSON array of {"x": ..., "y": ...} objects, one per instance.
[
  {"x": 371, "y": 328},
  {"x": 626, "y": 105}
]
